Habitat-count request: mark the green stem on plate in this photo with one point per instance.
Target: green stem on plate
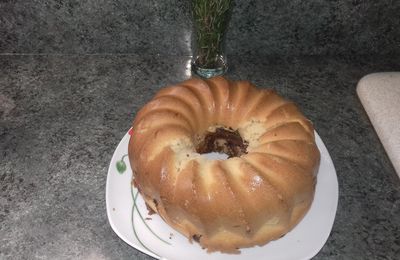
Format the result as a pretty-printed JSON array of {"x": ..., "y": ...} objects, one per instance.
[
  {"x": 133, "y": 224},
  {"x": 144, "y": 221}
]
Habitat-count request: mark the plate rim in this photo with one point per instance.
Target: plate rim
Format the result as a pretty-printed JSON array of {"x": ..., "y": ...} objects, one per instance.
[
  {"x": 311, "y": 254},
  {"x": 108, "y": 207}
]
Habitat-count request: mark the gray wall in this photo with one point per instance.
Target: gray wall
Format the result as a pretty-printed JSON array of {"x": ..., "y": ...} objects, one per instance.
[{"x": 268, "y": 27}]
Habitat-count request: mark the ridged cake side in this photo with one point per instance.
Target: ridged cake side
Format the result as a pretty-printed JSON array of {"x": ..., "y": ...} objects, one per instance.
[{"x": 225, "y": 204}]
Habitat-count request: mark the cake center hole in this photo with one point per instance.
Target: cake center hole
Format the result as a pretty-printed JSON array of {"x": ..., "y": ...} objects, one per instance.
[{"x": 222, "y": 141}]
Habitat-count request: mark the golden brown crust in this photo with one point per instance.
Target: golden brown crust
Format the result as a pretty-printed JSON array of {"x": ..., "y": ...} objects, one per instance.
[{"x": 230, "y": 204}]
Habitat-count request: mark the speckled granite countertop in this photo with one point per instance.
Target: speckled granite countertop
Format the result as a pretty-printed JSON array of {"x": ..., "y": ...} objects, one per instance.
[{"x": 61, "y": 117}]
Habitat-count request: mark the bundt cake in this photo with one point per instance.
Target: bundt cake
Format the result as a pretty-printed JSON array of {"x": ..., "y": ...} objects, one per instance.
[{"x": 258, "y": 194}]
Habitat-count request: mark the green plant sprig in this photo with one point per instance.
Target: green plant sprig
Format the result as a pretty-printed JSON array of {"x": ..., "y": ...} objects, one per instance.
[{"x": 211, "y": 19}]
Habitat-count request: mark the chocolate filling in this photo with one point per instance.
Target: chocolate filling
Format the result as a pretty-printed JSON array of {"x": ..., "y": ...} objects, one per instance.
[
  {"x": 223, "y": 140},
  {"x": 196, "y": 238},
  {"x": 150, "y": 210}
]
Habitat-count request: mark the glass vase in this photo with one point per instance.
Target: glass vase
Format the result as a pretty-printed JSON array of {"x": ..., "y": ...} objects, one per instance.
[{"x": 210, "y": 20}]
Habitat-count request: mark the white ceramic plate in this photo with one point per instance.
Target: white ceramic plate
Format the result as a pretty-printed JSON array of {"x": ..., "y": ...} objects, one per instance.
[{"x": 149, "y": 234}]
